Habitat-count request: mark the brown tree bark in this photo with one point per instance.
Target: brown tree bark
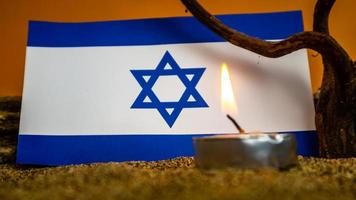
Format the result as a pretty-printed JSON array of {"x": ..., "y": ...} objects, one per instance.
[{"x": 336, "y": 108}]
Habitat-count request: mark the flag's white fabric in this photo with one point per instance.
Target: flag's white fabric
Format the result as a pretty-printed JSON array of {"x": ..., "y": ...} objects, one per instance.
[{"x": 89, "y": 90}]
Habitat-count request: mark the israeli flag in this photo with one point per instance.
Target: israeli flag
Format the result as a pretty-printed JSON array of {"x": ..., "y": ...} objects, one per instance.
[{"x": 142, "y": 89}]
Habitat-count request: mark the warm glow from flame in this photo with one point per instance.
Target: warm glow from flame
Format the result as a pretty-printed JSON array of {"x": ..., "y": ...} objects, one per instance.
[{"x": 228, "y": 104}]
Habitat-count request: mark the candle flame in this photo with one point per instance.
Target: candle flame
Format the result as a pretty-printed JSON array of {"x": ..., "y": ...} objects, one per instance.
[{"x": 228, "y": 104}]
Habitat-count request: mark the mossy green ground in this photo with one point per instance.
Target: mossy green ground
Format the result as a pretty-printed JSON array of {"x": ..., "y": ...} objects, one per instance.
[{"x": 170, "y": 179}]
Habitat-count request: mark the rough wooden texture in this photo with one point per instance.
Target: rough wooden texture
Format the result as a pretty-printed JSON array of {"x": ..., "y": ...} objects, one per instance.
[
  {"x": 10, "y": 103},
  {"x": 336, "y": 108},
  {"x": 9, "y": 125},
  {"x": 9, "y": 114}
]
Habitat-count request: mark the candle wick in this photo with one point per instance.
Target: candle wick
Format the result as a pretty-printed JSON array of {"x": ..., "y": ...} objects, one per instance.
[{"x": 241, "y": 130}]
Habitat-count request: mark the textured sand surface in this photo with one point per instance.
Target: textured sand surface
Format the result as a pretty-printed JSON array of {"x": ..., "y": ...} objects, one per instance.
[{"x": 179, "y": 179}]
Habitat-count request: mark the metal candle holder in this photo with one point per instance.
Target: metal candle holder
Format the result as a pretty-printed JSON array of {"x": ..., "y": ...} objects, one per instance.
[{"x": 246, "y": 150}]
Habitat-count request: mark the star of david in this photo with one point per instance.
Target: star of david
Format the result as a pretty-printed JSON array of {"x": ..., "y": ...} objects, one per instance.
[{"x": 189, "y": 77}]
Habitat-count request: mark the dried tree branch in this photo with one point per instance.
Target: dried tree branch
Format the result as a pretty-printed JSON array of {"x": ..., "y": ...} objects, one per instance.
[
  {"x": 336, "y": 108},
  {"x": 321, "y": 15},
  {"x": 317, "y": 41},
  {"x": 312, "y": 40}
]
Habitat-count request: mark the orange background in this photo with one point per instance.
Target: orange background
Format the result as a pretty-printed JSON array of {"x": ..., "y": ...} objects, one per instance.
[{"x": 15, "y": 14}]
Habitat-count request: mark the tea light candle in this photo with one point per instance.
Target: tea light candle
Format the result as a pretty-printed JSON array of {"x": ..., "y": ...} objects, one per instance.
[
  {"x": 244, "y": 150},
  {"x": 251, "y": 150}
]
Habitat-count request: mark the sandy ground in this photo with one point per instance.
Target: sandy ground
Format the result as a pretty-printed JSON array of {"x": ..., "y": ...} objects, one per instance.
[{"x": 179, "y": 179}]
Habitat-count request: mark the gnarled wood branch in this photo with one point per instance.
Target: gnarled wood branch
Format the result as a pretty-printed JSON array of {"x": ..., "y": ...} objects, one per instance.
[
  {"x": 321, "y": 15},
  {"x": 315, "y": 40},
  {"x": 312, "y": 40},
  {"x": 336, "y": 110}
]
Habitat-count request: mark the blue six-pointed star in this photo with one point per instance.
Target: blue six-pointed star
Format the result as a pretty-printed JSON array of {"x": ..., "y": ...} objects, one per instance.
[{"x": 162, "y": 107}]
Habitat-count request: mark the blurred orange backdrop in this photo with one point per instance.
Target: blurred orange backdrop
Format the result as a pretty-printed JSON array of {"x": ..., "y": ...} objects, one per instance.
[{"x": 15, "y": 14}]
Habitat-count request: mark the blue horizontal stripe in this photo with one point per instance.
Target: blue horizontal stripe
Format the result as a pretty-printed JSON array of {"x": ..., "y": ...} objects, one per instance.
[
  {"x": 160, "y": 31},
  {"x": 64, "y": 150}
]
